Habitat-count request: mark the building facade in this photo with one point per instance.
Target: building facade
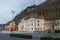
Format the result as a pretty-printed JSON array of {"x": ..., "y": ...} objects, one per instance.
[
  {"x": 57, "y": 25},
  {"x": 11, "y": 27},
  {"x": 33, "y": 23}
]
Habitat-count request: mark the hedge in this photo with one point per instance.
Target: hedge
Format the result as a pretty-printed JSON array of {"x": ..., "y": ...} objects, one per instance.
[
  {"x": 21, "y": 36},
  {"x": 56, "y": 31},
  {"x": 49, "y": 38}
]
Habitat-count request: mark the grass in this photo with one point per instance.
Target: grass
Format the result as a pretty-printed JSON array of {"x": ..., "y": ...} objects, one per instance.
[{"x": 25, "y": 36}]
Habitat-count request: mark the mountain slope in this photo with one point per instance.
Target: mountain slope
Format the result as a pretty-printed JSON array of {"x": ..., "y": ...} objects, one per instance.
[{"x": 50, "y": 9}]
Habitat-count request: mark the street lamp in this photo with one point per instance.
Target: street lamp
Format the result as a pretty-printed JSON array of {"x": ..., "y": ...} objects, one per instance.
[{"x": 12, "y": 17}]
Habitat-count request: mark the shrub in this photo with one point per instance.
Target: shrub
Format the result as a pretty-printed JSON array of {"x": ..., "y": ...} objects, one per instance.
[
  {"x": 56, "y": 31},
  {"x": 49, "y": 38},
  {"x": 21, "y": 36},
  {"x": 46, "y": 38}
]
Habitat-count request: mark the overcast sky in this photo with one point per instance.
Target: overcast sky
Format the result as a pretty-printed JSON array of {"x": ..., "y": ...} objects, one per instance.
[{"x": 17, "y": 5}]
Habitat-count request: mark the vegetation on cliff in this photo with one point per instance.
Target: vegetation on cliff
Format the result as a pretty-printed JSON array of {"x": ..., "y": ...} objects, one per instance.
[{"x": 49, "y": 9}]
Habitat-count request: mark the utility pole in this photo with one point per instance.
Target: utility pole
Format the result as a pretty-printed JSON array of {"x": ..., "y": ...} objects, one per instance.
[{"x": 12, "y": 20}]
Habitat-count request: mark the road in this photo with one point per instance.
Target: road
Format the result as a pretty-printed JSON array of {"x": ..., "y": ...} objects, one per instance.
[
  {"x": 36, "y": 36},
  {"x": 7, "y": 37}
]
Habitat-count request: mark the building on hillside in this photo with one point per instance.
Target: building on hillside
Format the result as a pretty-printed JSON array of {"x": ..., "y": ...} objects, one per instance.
[
  {"x": 47, "y": 25},
  {"x": 57, "y": 26},
  {"x": 11, "y": 27},
  {"x": 32, "y": 23},
  {"x": 7, "y": 28}
]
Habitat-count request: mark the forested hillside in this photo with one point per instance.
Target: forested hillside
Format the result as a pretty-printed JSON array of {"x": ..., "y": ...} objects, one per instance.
[{"x": 50, "y": 9}]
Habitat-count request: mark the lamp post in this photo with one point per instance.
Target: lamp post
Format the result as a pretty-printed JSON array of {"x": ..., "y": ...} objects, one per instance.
[{"x": 12, "y": 17}]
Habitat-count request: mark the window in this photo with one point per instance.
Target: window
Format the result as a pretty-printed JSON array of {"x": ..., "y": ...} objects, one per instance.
[
  {"x": 38, "y": 24},
  {"x": 21, "y": 27},
  {"x": 40, "y": 29},
  {"x": 31, "y": 28},
  {"x": 32, "y": 24},
  {"x": 35, "y": 28}
]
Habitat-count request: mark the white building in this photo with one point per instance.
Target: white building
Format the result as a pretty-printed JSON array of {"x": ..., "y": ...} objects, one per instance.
[{"x": 32, "y": 23}]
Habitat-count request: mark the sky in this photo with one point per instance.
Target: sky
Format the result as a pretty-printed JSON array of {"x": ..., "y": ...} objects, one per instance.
[{"x": 17, "y": 5}]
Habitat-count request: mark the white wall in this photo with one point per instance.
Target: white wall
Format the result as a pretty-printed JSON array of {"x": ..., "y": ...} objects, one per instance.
[
  {"x": 57, "y": 27},
  {"x": 31, "y": 25}
]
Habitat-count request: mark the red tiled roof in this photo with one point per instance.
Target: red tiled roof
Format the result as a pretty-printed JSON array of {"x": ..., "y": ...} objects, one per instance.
[
  {"x": 26, "y": 17},
  {"x": 34, "y": 15}
]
